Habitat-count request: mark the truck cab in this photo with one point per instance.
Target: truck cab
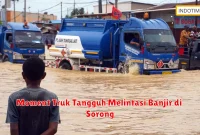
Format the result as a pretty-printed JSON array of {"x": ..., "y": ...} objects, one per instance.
[
  {"x": 157, "y": 52},
  {"x": 20, "y": 41}
]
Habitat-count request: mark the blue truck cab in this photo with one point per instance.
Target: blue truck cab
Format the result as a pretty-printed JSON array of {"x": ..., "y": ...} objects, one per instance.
[
  {"x": 19, "y": 41},
  {"x": 116, "y": 45}
]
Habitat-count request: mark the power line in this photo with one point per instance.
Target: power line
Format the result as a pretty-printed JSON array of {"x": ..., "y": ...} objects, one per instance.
[
  {"x": 82, "y": 2},
  {"x": 50, "y": 8},
  {"x": 16, "y": 16}
]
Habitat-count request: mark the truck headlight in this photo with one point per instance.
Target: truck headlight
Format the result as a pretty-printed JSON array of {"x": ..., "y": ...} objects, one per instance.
[
  {"x": 149, "y": 64},
  {"x": 17, "y": 55},
  {"x": 176, "y": 63}
]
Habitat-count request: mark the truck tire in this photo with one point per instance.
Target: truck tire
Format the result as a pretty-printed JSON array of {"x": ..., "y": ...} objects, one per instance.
[
  {"x": 184, "y": 66},
  {"x": 65, "y": 65},
  {"x": 120, "y": 68},
  {"x": 126, "y": 69},
  {"x": 4, "y": 59}
]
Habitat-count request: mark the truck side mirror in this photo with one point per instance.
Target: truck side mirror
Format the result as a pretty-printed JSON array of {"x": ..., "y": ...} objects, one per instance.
[{"x": 141, "y": 41}]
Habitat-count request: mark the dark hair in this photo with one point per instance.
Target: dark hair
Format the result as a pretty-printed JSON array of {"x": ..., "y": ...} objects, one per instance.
[{"x": 33, "y": 69}]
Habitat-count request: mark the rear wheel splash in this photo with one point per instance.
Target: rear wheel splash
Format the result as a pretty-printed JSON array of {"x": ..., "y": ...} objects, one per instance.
[
  {"x": 123, "y": 68},
  {"x": 65, "y": 65}
]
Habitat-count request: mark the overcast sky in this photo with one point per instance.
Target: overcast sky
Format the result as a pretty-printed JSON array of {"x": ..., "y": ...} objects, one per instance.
[{"x": 35, "y": 5}]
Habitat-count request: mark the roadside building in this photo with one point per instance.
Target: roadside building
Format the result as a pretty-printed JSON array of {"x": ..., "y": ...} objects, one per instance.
[
  {"x": 30, "y": 17},
  {"x": 167, "y": 13},
  {"x": 122, "y": 6},
  {"x": 164, "y": 11}
]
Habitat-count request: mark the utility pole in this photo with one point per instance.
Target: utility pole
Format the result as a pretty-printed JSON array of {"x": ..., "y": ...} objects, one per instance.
[
  {"x": 61, "y": 10},
  {"x": 106, "y": 6},
  {"x": 14, "y": 11},
  {"x": 100, "y": 6},
  {"x": 38, "y": 16},
  {"x": 24, "y": 10},
  {"x": 67, "y": 11},
  {"x": 196, "y": 19},
  {"x": 5, "y": 6},
  {"x": 74, "y": 8},
  {"x": 116, "y": 1}
]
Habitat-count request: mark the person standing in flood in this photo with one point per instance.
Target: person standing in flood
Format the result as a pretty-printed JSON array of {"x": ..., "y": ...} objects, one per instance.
[
  {"x": 194, "y": 33},
  {"x": 184, "y": 38},
  {"x": 32, "y": 120}
]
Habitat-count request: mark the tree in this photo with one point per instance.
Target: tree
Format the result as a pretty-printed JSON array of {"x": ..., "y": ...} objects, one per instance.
[
  {"x": 77, "y": 11},
  {"x": 81, "y": 11}
]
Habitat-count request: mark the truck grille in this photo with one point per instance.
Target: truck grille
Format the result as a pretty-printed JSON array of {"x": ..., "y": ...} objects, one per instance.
[
  {"x": 38, "y": 46},
  {"x": 27, "y": 56}
]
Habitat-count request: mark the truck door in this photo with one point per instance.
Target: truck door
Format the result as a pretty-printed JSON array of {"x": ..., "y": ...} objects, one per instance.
[
  {"x": 8, "y": 41},
  {"x": 132, "y": 43},
  {"x": 8, "y": 46},
  {"x": 195, "y": 56}
]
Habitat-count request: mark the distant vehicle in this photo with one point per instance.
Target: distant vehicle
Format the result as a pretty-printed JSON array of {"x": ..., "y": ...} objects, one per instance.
[
  {"x": 104, "y": 45},
  {"x": 19, "y": 41},
  {"x": 49, "y": 33},
  {"x": 191, "y": 58}
]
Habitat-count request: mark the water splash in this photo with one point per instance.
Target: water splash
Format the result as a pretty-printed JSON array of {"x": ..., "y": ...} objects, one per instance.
[{"x": 134, "y": 69}]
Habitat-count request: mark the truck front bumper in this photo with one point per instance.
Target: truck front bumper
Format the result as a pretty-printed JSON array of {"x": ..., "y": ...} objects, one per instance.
[{"x": 150, "y": 72}]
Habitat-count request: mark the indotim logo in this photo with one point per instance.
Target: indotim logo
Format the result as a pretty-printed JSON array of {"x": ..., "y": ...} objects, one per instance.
[{"x": 187, "y": 10}]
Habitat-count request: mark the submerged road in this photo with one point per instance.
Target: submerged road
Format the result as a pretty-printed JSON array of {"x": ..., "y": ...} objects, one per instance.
[{"x": 130, "y": 120}]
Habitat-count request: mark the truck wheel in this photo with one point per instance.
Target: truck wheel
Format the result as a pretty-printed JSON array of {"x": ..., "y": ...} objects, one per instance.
[
  {"x": 4, "y": 59},
  {"x": 184, "y": 67},
  {"x": 127, "y": 69},
  {"x": 66, "y": 65},
  {"x": 120, "y": 68}
]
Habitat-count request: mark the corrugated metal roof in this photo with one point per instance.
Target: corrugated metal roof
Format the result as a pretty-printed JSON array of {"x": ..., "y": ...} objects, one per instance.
[
  {"x": 163, "y": 7},
  {"x": 132, "y": 3}
]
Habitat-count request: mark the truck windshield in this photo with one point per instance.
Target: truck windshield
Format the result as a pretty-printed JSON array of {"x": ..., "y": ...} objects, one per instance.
[
  {"x": 28, "y": 39},
  {"x": 159, "y": 41},
  {"x": 28, "y": 36}
]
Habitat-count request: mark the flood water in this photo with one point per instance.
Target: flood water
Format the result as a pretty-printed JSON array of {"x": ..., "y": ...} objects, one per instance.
[{"x": 130, "y": 120}]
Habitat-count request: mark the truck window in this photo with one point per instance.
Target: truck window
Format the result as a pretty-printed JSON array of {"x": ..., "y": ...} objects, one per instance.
[
  {"x": 9, "y": 37},
  {"x": 132, "y": 39},
  {"x": 159, "y": 41},
  {"x": 28, "y": 37}
]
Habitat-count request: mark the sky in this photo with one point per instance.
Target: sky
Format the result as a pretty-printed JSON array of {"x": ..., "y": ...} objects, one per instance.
[{"x": 39, "y": 5}]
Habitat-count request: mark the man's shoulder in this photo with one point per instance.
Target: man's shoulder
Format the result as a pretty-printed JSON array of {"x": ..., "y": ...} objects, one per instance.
[
  {"x": 23, "y": 91},
  {"x": 16, "y": 93},
  {"x": 49, "y": 92},
  {"x": 183, "y": 31}
]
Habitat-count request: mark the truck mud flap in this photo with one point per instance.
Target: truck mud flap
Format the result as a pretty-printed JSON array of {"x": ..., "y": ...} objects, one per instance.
[{"x": 184, "y": 64}]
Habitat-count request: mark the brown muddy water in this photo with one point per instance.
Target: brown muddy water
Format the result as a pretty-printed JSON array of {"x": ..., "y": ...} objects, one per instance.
[{"x": 130, "y": 120}]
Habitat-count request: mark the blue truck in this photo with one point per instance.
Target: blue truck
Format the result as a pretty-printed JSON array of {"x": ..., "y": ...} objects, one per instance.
[
  {"x": 19, "y": 41},
  {"x": 105, "y": 45}
]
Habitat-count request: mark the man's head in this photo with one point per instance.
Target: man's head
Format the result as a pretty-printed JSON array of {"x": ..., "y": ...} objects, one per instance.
[
  {"x": 33, "y": 70},
  {"x": 194, "y": 28},
  {"x": 186, "y": 27},
  {"x": 136, "y": 36}
]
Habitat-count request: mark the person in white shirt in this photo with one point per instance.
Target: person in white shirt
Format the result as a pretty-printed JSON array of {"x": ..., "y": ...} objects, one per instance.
[{"x": 194, "y": 34}]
